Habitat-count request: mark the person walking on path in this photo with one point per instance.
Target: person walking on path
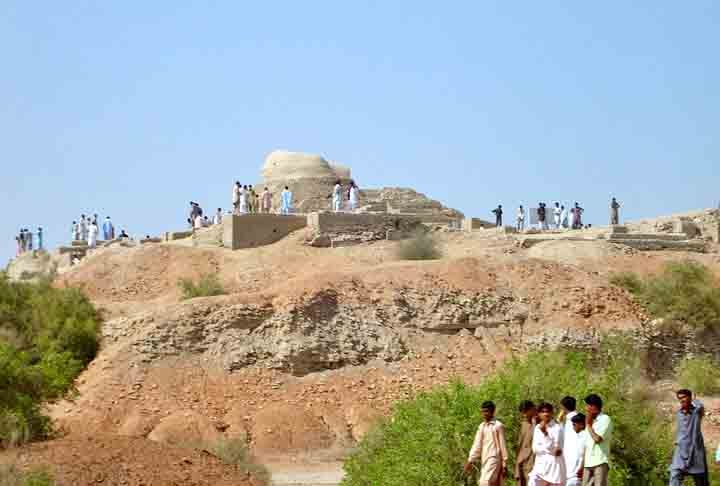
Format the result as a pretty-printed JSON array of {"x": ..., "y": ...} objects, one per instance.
[
  {"x": 547, "y": 444},
  {"x": 557, "y": 213},
  {"x": 498, "y": 212},
  {"x": 266, "y": 201},
  {"x": 286, "y": 201},
  {"x": 525, "y": 458},
  {"x": 689, "y": 456},
  {"x": 614, "y": 211},
  {"x": 490, "y": 448},
  {"x": 520, "y": 218},
  {"x": 596, "y": 464}
]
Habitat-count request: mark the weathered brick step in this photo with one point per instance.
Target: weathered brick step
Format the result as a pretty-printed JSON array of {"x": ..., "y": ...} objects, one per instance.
[
  {"x": 656, "y": 244},
  {"x": 649, "y": 236}
]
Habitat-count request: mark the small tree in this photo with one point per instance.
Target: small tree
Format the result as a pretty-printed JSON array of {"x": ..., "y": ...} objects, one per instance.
[
  {"x": 421, "y": 246},
  {"x": 208, "y": 286}
]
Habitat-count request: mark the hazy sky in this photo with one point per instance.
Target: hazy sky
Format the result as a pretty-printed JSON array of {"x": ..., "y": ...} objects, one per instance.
[{"x": 133, "y": 108}]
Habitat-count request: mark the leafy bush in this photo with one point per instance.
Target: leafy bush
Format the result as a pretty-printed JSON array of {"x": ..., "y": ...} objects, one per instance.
[
  {"x": 234, "y": 452},
  {"x": 10, "y": 476},
  {"x": 422, "y": 246},
  {"x": 683, "y": 292},
  {"x": 427, "y": 439},
  {"x": 48, "y": 336},
  {"x": 700, "y": 374},
  {"x": 208, "y": 286}
]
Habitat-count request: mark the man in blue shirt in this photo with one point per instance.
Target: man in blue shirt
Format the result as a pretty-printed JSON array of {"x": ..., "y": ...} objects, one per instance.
[{"x": 689, "y": 457}]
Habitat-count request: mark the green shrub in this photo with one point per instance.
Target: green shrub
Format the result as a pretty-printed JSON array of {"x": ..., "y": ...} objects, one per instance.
[
  {"x": 700, "y": 374},
  {"x": 48, "y": 336},
  {"x": 209, "y": 285},
  {"x": 683, "y": 292},
  {"x": 422, "y": 246},
  {"x": 234, "y": 452},
  {"x": 11, "y": 476},
  {"x": 427, "y": 439}
]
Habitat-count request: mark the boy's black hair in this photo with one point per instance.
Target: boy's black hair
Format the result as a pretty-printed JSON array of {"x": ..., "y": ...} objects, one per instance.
[
  {"x": 578, "y": 419},
  {"x": 526, "y": 405},
  {"x": 684, "y": 392},
  {"x": 594, "y": 399},
  {"x": 546, "y": 406},
  {"x": 569, "y": 403},
  {"x": 488, "y": 406}
]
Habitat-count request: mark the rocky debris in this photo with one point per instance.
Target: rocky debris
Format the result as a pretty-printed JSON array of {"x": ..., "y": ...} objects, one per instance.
[
  {"x": 127, "y": 461},
  {"x": 32, "y": 266},
  {"x": 185, "y": 427}
]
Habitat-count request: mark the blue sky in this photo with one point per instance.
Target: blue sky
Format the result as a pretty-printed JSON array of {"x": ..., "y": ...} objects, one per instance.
[{"x": 133, "y": 108}]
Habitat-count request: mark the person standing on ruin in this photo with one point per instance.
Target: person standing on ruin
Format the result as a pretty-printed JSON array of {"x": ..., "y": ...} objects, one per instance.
[
  {"x": 525, "y": 457},
  {"x": 498, "y": 211},
  {"x": 689, "y": 455},
  {"x": 520, "y": 221},
  {"x": 337, "y": 197},
  {"x": 92, "y": 231},
  {"x": 541, "y": 213},
  {"x": 557, "y": 215},
  {"x": 599, "y": 427},
  {"x": 236, "y": 197},
  {"x": 286, "y": 201},
  {"x": 489, "y": 447},
  {"x": 251, "y": 199},
  {"x": 547, "y": 444},
  {"x": 83, "y": 228},
  {"x": 266, "y": 201},
  {"x": 353, "y": 196},
  {"x": 564, "y": 217},
  {"x": 40, "y": 238},
  {"x": 29, "y": 237},
  {"x": 243, "y": 199},
  {"x": 614, "y": 211},
  {"x": 108, "y": 229}
]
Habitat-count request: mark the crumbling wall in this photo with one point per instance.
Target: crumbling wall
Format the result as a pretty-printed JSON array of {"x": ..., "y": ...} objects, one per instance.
[
  {"x": 349, "y": 227},
  {"x": 252, "y": 230}
]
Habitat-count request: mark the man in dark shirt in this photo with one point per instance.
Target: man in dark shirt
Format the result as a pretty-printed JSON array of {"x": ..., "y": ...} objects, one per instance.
[{"x": 689, "y": 456}]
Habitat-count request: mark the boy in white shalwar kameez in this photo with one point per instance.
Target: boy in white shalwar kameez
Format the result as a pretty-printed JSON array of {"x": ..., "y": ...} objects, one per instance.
[
  {"x": 549, "y": 468},
  {"x": 574, "y": 451}
]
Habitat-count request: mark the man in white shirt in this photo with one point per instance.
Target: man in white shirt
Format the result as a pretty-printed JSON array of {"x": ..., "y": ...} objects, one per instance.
[
  {"x": 569, "y": 405},
  {"x": 574, "y": 452},
  {"x": 218, "y": 217},
  {"x": 93, "y": 231},
  {"x": 236, "y": 197},
  {"x": 489, "y": 448},
  {"x": 337, "y": 197},
  {"x": 549, "y": 467},
  {"x": 557, "y": 213}
]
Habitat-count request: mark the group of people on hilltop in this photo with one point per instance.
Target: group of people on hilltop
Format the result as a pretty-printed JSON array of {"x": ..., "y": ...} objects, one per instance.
[
  {"x": 561, "y": 217},
  {"x": 246, "y": 200},
  {"x": 574, "y": 448},
  {"x": 27, "y": 241},
  {"x": 88, "y": 229},
  {"x": 346, "y": 199}
]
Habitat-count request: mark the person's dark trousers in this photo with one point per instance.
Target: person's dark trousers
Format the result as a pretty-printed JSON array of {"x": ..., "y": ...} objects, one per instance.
[
  {"x": 677, "y": 477},
  {"x": 498, "y": 222}
]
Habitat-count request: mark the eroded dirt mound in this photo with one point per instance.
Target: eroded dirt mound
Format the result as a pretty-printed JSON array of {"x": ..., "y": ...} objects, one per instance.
[{"x": 127, "y": 461}]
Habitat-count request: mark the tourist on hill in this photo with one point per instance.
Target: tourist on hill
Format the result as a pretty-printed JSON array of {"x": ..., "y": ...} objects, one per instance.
[
  {"x": 489, "y": 448},
  {"x": 568, "y": 412},
  {"x": 29, "y": 238},
  {"x": 236, "y": 197},
  {"x": 542, "y": 214},
  {"x": 74, "y": 231},
  {"x": 83, "y": 228},
  {"x": 574, "y": 450},
  {"x": 498, "y": 212},
  {"x": 353, "y": 196},
  {"x": 123, "y": 235},
  {"x": 108, "y": 229},
  {"x": 577, "y": 216},
  {"x": 525, "y": 457},
  {"x": 95, "y": 220},
  {"x": 337, "y": 197},
  {"x": 557, "y": 215},
  {"x": 547, "y": 444},
  {"x": 244, "y": 199},
  {"x": 689, "y": 456},
  {"x": 198, "y": 223},
  {"x": 286, "y": 201},
  {"x": 195, "y": 211},
  {"x": 564, "y": 217},
  {"x": 614, "y": 212},
  {"x": 93, "y": 231},
  {"x": 520, "y": 220},
  {"x": 599, "y": 427},
  {"x": 18, "y": 240},
  {"x": 266, "y": 201},
  {"x": 251, "y": 199},
  {"x": 40, "y": 238},
  {"x": 217, "y": 219}
]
